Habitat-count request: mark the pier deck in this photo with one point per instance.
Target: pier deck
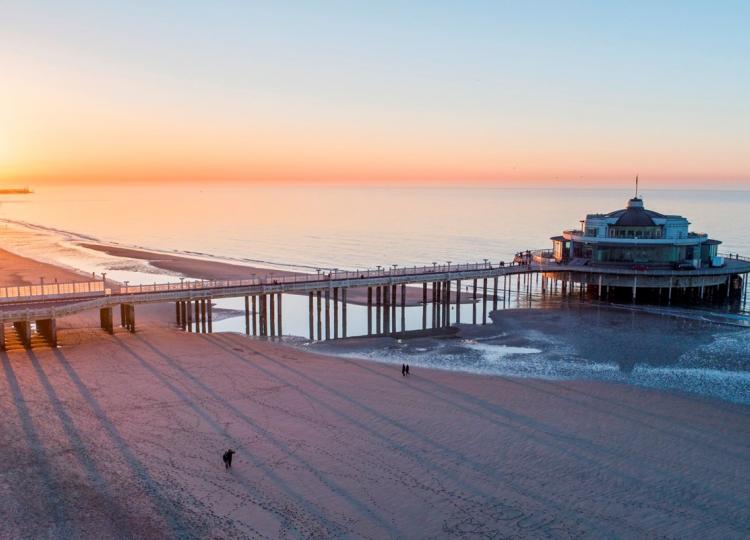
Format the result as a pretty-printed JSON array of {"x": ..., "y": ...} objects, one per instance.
[{"x": 192, "y": 298}]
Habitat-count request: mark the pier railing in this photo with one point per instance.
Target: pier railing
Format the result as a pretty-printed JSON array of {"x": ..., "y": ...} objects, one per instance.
[
  {"x": 321, "y": 277},
  {"x": 52, "y": 291}
]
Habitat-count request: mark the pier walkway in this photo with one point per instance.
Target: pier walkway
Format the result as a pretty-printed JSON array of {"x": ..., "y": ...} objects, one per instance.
[{"x": 35, "y": 308}]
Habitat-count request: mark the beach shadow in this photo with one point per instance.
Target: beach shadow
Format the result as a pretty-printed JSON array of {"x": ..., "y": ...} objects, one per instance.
[
  {"x": 502, "y": 510},
  {"x": 615, "y": 408},
  {"x": 570, "y": 445},
  {"x": 261, "y": 500},
  {"x": 123, "y": 523},
  {"x": 597, "y": 451},
  {"x": 39, "y": 462},
  {"x": 178, "y": 527}
]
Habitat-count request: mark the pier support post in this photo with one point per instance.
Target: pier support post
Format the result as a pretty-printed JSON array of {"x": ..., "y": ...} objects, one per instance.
[
  {"x": 272, "y": 314},
  {"x": 328, "y": 313},
  {"x": 729, "y": 282},
  {"x": 177, "y": 314},
  {"x": 188, "y": 312},
  {"x": 447, "y": 318},
  {"x": 377, "y": 310},
  {"x": 197, "y": 305},
  {"x": 369, "y": 311},
  {"x": 311, "y": 315},
  {"x": 335, "y": 313},
  {"x": 204, "y": 316},
  {"x": 484, "y": 300},
  {"x": 279, "y": 329},
  {"x": 434, "y": 302},
  {"x": 254, "y": 314},
  {"x": 2, "y": 335},
  {"x": 669, "y": 293},
  {"x": 474, "y": 302},
  {"x": 123, "y": 316},
  {"x": 458, "y": 301},
  {"x": 106, "y": 320},
  {"x": 599, "y": 291},
  {"x": 494, "y": 293},
  {"x": 183, "y": 315},
  {"x": 318, "y": 297},
  {"x": 131, "y": 317},
  {"x": 247, "y": 315},
  {"x": 394, "y": 304},
  {"x": 386, "y": 309},
  {"x": 210, "y": 316},
  {"x": 343, "y": 312},
  {"x": 424, "y": 306},
  {"x": 261, "y": 314},
  {"x": 635, "y": 286},
  {"x": 403, "y": 307}
]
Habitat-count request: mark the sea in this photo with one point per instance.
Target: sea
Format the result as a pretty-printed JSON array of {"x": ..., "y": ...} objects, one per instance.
[{"x": 314, "y": 227}]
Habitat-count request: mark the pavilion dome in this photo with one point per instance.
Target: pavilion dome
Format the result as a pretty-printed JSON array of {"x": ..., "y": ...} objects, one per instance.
[{"x": 635, "y": 215}]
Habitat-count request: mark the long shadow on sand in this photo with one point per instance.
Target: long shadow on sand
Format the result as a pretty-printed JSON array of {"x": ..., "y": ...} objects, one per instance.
[
  {"x": 53, "y": 502},
  {"x": 259, "y": 498},
  {"x": 332, "y": 486},
  {"x": 574, "y": 447},
  {"x": 596, "y": 403},
  {"x": 564, "y": 442},
  {"x": 113, "y": 512},
  {"x": 178, "y": 527},
  {"x": 501, "y": 510}
]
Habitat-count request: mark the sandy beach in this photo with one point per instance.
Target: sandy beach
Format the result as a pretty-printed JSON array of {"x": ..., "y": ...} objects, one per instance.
[{"x": 121, "y": 437}]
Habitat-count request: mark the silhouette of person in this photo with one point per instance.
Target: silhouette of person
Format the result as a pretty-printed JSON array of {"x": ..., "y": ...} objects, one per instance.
[
  {"x": 403, "y": 370},
  {"x": 407, "y": 369},
  {"x": 227, "y": 457}
]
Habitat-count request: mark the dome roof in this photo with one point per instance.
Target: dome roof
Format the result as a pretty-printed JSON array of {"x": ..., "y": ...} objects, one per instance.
[{"x": 635, "y": 215}]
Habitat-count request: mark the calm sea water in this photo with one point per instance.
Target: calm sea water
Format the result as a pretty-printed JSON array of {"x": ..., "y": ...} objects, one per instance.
[{"x": 334, "y": 227}]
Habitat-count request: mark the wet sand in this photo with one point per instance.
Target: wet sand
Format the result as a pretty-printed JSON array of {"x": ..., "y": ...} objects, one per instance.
[{"x": 121, "y": 437}]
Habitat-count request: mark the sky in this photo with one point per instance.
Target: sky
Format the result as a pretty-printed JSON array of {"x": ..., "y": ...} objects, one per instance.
[{"x": 526, "y": 93}]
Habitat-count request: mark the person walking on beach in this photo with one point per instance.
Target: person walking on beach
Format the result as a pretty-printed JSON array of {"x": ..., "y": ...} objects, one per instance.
[
  {"x": 407, "y": 369},
  {"x": 227, "y": 457},
  {"x": 403, "y": 370}
]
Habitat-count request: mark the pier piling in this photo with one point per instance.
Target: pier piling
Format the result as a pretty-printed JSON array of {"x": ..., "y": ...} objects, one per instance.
[
  {"x": 318, "y": 296},
  {"x": 311, "y": 315},
  {"x": 105, "y": 320},
  {"x": 343, "y": 312},
  {"x": 247, "y": 315},
  {"x": 458, "y": 301},
  {"x": 369, "y": 311}
]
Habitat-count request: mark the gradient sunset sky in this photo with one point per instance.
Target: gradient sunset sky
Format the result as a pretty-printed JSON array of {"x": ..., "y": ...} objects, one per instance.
[{"x": 512, "y": 93}]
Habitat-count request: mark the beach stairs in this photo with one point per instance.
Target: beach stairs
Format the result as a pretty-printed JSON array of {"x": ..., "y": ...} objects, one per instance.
[{"x": 40, "y": 337}]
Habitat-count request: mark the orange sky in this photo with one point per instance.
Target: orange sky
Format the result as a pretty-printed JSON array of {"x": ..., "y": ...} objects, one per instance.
[{"x": 110, "y": 96}]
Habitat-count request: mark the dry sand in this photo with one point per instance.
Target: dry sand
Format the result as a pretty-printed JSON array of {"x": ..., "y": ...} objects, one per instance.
[{"x": 121, "y": 437}]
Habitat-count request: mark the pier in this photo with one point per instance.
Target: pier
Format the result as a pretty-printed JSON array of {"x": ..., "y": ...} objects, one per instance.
[{"x": 29, "y": 314}]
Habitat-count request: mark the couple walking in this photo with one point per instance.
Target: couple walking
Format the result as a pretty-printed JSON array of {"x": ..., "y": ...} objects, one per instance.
[{"x": 404, "y": 370}]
